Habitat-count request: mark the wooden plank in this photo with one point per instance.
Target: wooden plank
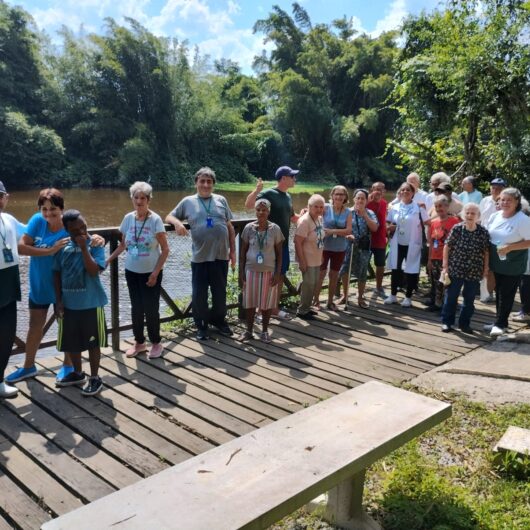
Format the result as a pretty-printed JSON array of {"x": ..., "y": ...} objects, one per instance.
[
  {"x": 258, "y": 354},
  {"x": 41, "y": 484},
  {"x": 68, "y": 471},
  {"x": 102, "y": 435},
  {"x": 255, "y": 480},
  {"x": 145, "y": 415},
  {"x": 4, "y": 524},
  {"x": 168, "y": 387},
  {"x": 184, "y": 346},
  {"x": 20, "y": 508},
  {"x": 103, "y": 409}
]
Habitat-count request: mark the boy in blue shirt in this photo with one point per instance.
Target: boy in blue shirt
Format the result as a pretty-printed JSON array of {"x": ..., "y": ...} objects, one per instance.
[{"x": 80, "y": 302}]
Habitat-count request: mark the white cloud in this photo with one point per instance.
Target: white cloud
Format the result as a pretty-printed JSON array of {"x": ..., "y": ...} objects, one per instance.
[
  {"x": 233, "y": 7},
  {"x": 53, "y": 18},
  {"x": 393, "y": 18}
]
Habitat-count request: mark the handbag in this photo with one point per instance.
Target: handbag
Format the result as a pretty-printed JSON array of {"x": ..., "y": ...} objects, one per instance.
[{"x": 424, "y": 247}]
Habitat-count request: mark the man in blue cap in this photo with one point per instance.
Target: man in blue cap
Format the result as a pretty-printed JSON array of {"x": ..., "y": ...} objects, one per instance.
[{"x": 281, "y": 213}]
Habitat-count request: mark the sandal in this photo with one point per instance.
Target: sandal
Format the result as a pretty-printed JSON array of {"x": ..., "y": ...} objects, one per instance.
[
  {"x": 341, "y": 300},
  {"x": 332, "y": 306},
  {"x": 265, "y": 337},
  {"x": 246, "y": 336},
  {"x": 363, "y": 304}
]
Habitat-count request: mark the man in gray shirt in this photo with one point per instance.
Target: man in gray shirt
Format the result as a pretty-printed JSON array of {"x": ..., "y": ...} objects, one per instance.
[{"x": 213, "y": 245}]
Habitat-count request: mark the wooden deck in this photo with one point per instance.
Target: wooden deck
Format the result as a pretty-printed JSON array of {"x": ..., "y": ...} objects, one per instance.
[{"x": 60, "y": 450}]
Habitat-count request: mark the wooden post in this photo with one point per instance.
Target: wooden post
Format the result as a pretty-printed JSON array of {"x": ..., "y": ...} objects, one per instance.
[{"x": 114, "y": 296}]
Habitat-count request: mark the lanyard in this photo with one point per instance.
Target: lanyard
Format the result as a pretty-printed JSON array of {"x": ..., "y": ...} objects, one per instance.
[
  {"x": 136, "y": 237},
  {"x": 318, "y": 230},
  {"x": 206, "y": 209},
  {"x": 337, "y": 217},
  {"x": 4, "y": 235},
  {"x": 262, "y": 240}
]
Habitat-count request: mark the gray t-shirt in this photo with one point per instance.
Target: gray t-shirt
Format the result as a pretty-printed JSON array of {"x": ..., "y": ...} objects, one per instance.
[
  {"x": 269, "y": 239},
  {"x": 142, "y": 245},
  {"x": 209, "y": 238}
]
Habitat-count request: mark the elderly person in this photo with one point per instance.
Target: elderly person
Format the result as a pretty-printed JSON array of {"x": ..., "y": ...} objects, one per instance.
[
  {"x": 144, "y": 237},
  {"x": 213, "y": 245},
  {"x": 446, "y": 190},
  {"x": 337, "y": 221},
  {"x": 378, "y": 205},
  {"x": 405, "y": 222},
  {"x": 44, "y": 236},
  {"x": 10, "y": 232},
  {"x": 469, "y": 191},
  {"x": 437, "y": 234},
  {"x": 510, "y": 240},
  {"x": 465, "y": 262},
  {"x": 309, "y": 244},
  {"x": 260, "y": 265},
  {"x": 364, "y": 223},
  {"x": 436, "y": 180}
]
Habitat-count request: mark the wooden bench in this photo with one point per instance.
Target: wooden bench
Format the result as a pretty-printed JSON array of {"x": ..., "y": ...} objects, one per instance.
[{"x": 255, "y": 480}]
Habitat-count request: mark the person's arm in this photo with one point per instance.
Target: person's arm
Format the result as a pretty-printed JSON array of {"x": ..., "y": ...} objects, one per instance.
[
  {"x": 299, "y": 248},
  {"x": 509, "y": 247},
  {"x": 372, "y": 224},
  {"x": 231, "y": 243},
  {"x": 161, "y": 237},
  {"x": 26, "y": 248},
  {"x": 445, "y": 259},
  {"x": 278, "y": 251},
  {"x": 180, "y": 229},
  {"x": 88, "y": 261},
  {"x": 346, "y": 231},
  {"x": 250, "y": 202},
  {"x": 486, "y": 270},
  {"x": 119, "y": 250},
  {"x": 243, "y": 261},
  {"x": 59, "y": 306}
]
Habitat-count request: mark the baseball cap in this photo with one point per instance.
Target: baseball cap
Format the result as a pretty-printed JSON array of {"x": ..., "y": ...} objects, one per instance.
[
  {"x": 498, "y": 182},
  {"x": 285, "y": 171},
  {"x": 443, "y": 187},
  {"x": 2, "y": 187}
]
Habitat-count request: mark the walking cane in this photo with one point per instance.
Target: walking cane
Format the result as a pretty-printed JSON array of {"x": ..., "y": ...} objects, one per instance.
[{"x": 347, "y": 286}]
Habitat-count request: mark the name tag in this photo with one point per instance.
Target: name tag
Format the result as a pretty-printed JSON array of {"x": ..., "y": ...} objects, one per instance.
[
  {"x": 8, "y": 255},
  {"x": 209, "y": 222},
  {"x": 259, "y": 259},
  {"x": 133, "y": 252}
]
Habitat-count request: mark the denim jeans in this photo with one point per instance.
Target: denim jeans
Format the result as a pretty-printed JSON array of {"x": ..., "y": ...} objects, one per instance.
[
  {"x": 209, "y": 275},
  {"x": 452, "y": 292}
]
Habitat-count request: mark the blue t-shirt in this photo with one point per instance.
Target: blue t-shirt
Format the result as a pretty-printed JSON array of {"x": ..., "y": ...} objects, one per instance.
[
  {"x": 331, "y": 220},
  {"x": 80, "y": 289},
  {"x": 40, "y": 267}
]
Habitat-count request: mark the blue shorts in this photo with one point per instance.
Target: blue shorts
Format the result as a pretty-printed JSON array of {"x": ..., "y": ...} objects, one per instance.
[{"x": 285, "y": 259}]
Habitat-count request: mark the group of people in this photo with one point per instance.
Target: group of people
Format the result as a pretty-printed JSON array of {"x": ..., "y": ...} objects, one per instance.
[{"x": 463, "y": 239}]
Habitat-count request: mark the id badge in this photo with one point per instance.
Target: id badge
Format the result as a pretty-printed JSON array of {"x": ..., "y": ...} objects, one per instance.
[
  {"x": 209, "y": 222},
  {"x": 259, "y": 259},
  {"x": 435, "y": 243},
  {"x": 334, "y": 236},
  {"x": 8, "y": 255},
  {"x": 133, "y": 252}
]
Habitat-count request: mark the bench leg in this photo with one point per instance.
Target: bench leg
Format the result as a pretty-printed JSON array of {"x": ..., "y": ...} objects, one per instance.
[{"x": 345, "y": 508}]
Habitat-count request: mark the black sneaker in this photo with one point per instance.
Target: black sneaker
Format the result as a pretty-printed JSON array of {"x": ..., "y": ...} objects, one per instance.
[
  {"x": 93, "y": 386},
  {"x": 73, "y": 378},
  {"x": 202, "y": 334},
  {"x": 467, "y": 329},
  {"x": 224, "y": 329},
  {"x": 446, "y": 328},
  {"x": 306, "y": 316}
]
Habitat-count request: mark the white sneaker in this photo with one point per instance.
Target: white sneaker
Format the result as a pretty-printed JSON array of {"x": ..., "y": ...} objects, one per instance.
[
  {"x": 496, "y": 332},
  {"x": 392, "y": 299},
  {"x": 489, "y": 299},
  {"x": 407, "y": 302},
  {"x": 7, "y": 391}
]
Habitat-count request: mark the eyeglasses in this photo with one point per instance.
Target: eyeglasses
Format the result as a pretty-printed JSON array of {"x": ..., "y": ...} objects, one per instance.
[
  {"x": 2, "y": 194},
  {"x": 405, "y": 191}
]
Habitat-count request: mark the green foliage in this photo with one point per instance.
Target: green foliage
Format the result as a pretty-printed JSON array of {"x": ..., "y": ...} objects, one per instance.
[{"x": 513, "y": 464}]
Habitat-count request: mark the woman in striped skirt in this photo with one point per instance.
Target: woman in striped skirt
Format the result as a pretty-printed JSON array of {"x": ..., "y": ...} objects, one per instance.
[{"x": 261, "y": 265}]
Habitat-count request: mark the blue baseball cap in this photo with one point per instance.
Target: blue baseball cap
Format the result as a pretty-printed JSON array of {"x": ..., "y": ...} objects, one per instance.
[
  {"x": 498, "y": 182},
  {"x": 285, "y": 171}
]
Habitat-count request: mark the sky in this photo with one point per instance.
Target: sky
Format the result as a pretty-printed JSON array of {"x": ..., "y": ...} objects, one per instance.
[{"x": 221, "y": 28}]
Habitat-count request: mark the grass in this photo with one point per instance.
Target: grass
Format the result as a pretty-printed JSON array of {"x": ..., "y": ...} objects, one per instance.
[
  {"x": 447, "y": 479},
  {"x": 301, "y": 187}
]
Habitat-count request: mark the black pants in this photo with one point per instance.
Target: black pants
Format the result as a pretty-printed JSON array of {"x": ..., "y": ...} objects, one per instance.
[
  {"x": 524, "y": 291},
  {"x": 8, "y": 328},
  {"x": 396, "y": 277},
  {"x": 209, "y": 275},
  {"x": 506, "y": 288},
  {"x": 145, "y": 303}
]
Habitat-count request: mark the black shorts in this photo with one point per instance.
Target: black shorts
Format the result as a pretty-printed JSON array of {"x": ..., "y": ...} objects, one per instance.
[
  {"x": 33, "y": 305},
  {"x": 81, "y": 330},
  {"x": 379, "y": 256}
]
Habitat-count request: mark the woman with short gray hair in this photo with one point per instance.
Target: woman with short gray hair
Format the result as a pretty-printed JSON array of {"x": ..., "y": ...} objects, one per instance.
[{"x": 144, "y": 237}]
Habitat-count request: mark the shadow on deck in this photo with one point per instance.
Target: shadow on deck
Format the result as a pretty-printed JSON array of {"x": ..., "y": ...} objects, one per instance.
[{"x": 60, "y": 450}]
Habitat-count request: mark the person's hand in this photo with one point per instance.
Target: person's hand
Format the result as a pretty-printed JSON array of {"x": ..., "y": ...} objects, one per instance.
[
  {"x": 391, "y": 229},
  {"x": 259, "y": 185},
  {"x": 502, "y": 250},
  {"x": 302, "y": 212},
  {"x": 58, "y": 245},
  {"x": 181, "y": 230},
  {"x": 302, "y": 267},
  {"x": 328, "y": 231},
  {"x": 421, "y": 205},
  {"x": 232, "y": 255},
  {"x": 429, "y": 266},
  {"x": 350, "y": 237},
  {"x": 151, "y": 281},
  {"x": 81, "y": 240},
  {"x": 97, "y": 241},
  {"x": 275, "y": 279},
  {"x": 58, "y": 309}
]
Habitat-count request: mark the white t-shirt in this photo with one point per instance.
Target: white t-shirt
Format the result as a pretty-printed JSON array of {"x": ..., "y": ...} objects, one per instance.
[
  {"x": 504, "y": 231},
  {"x": 429, "y": 203},
  {"x": 10, "y": 230},
  {"x": 487, "y": 208},
  {"x": 142, "y": 245}
]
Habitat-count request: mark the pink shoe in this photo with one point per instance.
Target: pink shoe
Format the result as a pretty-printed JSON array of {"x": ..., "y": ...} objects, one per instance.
[
  {"x": 133, "y": 351},
  {"x": 156, "y": 351}
]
